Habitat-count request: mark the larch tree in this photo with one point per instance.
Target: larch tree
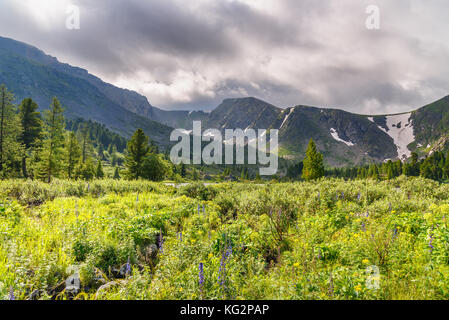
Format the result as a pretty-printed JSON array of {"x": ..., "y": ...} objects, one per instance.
[
  {"x": 10, "y": 131},
  {"x": 52, "y": 148},
  {"x": 73, "y": 154},
  {"x": 31, "y": 123}
]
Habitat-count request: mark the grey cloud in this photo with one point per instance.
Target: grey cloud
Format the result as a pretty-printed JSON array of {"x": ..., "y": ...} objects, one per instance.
[{"x": 192, "y": 55}]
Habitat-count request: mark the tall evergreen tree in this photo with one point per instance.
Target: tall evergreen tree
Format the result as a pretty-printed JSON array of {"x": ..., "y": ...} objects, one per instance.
[
  {"x": 52, "y": 151},
  {"x": 31, "y": 123},
  {"x": 10, "y": 131},
  {"x": 138, "y": 149},
  {"x": 73, "y": 154},
  {"x": 313, "y": 167}
]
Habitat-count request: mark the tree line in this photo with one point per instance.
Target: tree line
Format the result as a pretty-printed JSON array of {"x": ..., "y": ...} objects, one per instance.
[
  {"x": 434, "y": 166},
  {"x": 45, "y": 146}
]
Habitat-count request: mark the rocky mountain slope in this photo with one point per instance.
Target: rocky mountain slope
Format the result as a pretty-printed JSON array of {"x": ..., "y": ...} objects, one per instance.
[
  {"x": 29, "y": 72},
  {"x": 345, "y": 138}
]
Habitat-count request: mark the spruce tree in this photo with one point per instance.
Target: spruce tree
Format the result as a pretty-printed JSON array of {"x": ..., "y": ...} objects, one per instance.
[
  {"x": 313, "y": 163},
  {"x": 138, "y": 148},
  {"x": 52, "y": 151},
  {"x": 32, "y": 124}
]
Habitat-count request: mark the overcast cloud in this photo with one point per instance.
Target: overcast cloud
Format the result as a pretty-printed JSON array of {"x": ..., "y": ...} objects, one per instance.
[{"x": 191, "y": 54}]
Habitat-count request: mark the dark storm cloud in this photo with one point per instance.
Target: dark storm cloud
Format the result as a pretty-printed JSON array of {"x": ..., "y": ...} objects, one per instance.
[{"x": 193, "y": 54}]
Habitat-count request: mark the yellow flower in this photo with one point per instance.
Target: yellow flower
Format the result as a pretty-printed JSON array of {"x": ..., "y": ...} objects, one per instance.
[
  {"x": 358, "y": 288},
  {"x": 180, "y": 289},
  {"x": 296, "y": 264},
  {"x": 210, "y": 255},
  {"x": 365, "y": 261}
]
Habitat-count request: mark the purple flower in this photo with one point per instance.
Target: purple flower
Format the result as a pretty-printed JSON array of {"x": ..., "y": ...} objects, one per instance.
[
  {"x": 430, "y": 243},
  {"x": 11, "y": 294},
  {"x": 204, "y": 210},
  {"x": 161, "y": 243},
  {"x": 395, "y": 233},
  {"x": 201, "y": 274},
  {"x": 127, "y": 268},
  {"x": 199, "y": 209},
  {"x": 137, "y": 199},
  {"x": 363, "y": 227},
  {"x": 222, "y": 270},
  {"x": 359, "y": 196},
  {"x": 180, "y": 236},
  {"x": 342, "y": 195}
]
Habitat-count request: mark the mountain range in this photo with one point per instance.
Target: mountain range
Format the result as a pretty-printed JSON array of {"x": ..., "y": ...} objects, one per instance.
[{"x": 344, "y": 138}]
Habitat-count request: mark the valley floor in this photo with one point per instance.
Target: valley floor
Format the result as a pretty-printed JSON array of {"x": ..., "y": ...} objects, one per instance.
[{"x": 331, "y": 239}]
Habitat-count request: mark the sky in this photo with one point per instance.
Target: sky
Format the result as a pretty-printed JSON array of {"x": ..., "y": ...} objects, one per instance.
[{"x": 192, "y": 54}]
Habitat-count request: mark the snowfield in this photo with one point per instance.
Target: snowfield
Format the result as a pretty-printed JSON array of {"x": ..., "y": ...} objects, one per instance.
[
  {"x": 400, "y": 129},
  {"x": 334, "y": 135}
]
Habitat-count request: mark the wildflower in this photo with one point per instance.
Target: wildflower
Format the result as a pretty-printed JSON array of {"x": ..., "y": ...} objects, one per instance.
[
  {"x": 210, "y": 255},
  {"x": 430, "y": 243},
  {"x": 180, "y": 289},
  {"x": 180, "y": 236},
  {"x": 359, "y": 195},
  {"x": 204, "y": 210},
  {"x": 296, "y": 264},
  {"x": 365, "y": 261},
  {"x": 127, "y": 268},
  {"x": 161, "y": 242},
  {"x": 201, "y": 273},
  {"x": 199, "y": 209},
  {"x": 342, "y": 195},
  {"x": 363, "y": 227},
  {"x": 137, "y": 199},
  {"x": 358, "y": 288},
  {"x": 395, "y": 233},
  {"x": 11, "y": 294}
]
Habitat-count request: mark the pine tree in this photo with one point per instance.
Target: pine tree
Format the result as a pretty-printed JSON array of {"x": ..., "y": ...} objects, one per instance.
[
  {"x": 99, "y": 172},
  {"x": 31, "y": 123},
  {"x": 73, "y": 154},
  {"x": 52, "y": 152},
  {"x": 313, "y": 163},
  {"x": 138, "y": 149}
]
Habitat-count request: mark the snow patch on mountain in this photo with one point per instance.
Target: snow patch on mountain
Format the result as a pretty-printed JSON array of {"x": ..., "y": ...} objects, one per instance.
[
  {"x": 400, "y": 129},
  {"x": 335, "y": 135},
  {"x": 286, "y": 117}
]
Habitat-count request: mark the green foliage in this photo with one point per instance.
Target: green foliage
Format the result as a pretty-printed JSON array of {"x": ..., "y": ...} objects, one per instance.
[
  {"x": 52, "y": 147},
  {"x": 313, "y": 167},
  {"x": 11, "y": 150},
  {"x": 315, "y": 240},
  {"x": 138, "y": 148}
]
